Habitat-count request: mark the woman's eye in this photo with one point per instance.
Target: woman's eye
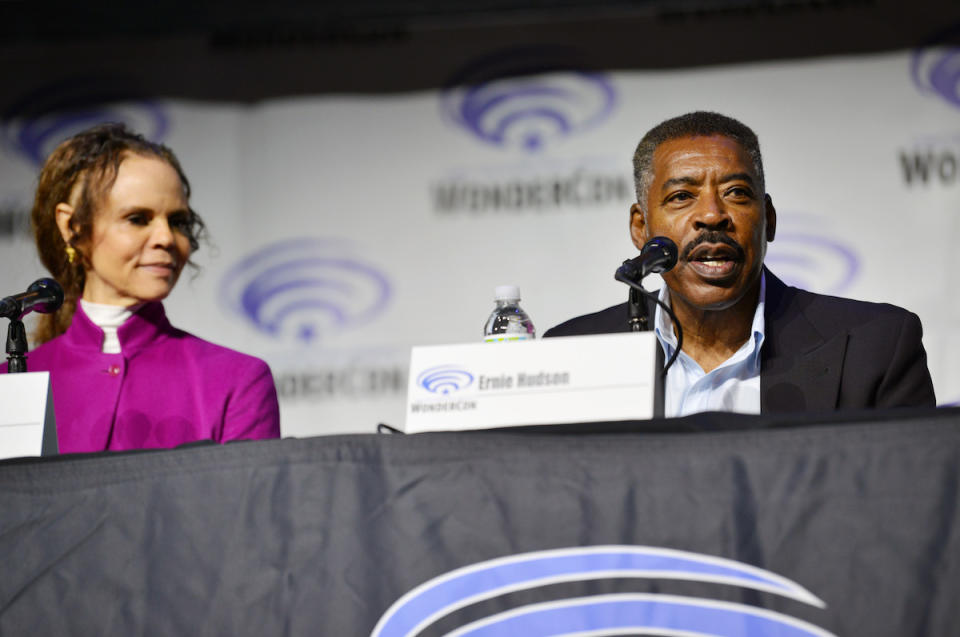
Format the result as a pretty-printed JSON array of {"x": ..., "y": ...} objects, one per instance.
[
  {"x": 137, "y": 219},
  {"x": 180, "y": 222}
]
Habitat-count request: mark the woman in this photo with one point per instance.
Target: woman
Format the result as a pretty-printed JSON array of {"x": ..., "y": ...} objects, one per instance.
[{"x": 113, "y": 225}]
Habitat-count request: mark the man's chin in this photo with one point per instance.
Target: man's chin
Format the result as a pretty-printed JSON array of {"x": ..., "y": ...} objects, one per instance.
[{"x": 712, "y": 295}]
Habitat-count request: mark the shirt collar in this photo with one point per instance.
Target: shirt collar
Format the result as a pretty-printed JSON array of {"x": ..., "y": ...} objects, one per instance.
[
  {"x": 147, "y": 325},
  {"x": 663, "y": 326},
  {"x": 104, "y": 316}
]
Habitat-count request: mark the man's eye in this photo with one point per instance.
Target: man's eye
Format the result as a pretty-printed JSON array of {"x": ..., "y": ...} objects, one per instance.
[
  {"x": 137, "y": 219},
  {"x": 740, "y": 192},
  {"x": 679, "y": 196}
]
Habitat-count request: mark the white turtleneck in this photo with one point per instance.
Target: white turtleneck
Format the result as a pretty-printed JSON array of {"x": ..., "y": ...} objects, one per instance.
[{"x": 108, "y": 318}]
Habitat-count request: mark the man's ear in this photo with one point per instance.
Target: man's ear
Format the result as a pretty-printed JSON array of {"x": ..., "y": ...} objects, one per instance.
[
  {"x": 771, "y": 215},
  {"x": 638, "y": 226},
  {"x": 64, "y": 214}
]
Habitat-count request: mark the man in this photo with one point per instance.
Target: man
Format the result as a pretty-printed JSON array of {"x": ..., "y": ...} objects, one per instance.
[{"x": 751, "y": 344}]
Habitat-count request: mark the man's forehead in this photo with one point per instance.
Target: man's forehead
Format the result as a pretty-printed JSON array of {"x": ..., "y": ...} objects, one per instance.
[{"x": 675, "y": 153}]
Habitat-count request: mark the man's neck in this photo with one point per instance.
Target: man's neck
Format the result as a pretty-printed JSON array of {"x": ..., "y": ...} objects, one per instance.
[{"x": 710, "y": 337}]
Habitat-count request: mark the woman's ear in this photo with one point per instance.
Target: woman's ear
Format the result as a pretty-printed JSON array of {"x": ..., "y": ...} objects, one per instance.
[{"x": 64, "y": 214}]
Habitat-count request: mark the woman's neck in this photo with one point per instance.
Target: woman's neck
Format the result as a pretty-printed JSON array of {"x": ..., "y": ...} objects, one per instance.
[{"x": 108, "y": 318}]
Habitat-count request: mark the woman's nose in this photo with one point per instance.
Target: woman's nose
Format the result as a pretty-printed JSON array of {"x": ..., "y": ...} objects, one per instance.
[{"x": 162, "y": 233}]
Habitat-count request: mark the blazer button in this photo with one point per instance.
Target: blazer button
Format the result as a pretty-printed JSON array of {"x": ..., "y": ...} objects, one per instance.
[{"x": 114, "y": 370}]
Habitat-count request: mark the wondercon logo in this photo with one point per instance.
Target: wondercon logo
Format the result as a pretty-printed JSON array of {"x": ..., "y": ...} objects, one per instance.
[
  {"x": 614, "y": 614},
  {"x": 300, "y": 288},
  {"x": 936, "y": 69},
  {"x": 444, "y": 379},
  {"x": 527, "y": 97},
  {"x": 35, "y": 124},
  {"x": 810, "y": 260}
]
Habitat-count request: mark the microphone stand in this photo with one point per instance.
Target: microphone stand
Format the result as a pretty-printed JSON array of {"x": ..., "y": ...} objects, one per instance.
[
  {"x": 637, "y": 308},
  {"x": 637, "y": 311},
  {"x": 638, "y": 321},
  {"x": 16, "y": 347},
  {"x": 657, "y": 255}
]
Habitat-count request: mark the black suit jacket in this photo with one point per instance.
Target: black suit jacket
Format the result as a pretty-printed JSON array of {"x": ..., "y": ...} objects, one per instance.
[{"x": 819, "y": 352}]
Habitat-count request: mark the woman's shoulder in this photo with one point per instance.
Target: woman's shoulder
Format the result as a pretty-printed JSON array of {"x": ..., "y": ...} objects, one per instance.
[
  {"x": 219, "y": 355},
  {"x": 45, "y": 351},
  {"x": 151, "y": 329}
]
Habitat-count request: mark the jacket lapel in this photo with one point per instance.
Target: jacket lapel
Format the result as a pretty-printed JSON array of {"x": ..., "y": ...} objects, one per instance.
[{"x": 799, "y": 369}]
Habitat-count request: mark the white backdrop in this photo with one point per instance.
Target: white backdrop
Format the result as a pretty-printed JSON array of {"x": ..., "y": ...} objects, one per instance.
[{"x": 346, "y": 229}]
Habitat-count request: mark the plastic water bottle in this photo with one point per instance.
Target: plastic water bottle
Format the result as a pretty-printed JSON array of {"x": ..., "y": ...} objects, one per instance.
[{"x": 508, "y": 321}]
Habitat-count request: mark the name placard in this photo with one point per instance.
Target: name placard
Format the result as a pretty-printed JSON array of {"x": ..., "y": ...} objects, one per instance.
[
  {"x": 27, "y": 422},
  {"x": 550, "y": 381}
]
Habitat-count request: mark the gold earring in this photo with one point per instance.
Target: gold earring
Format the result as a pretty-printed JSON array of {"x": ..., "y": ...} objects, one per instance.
[{"x": 71, "y": 254}]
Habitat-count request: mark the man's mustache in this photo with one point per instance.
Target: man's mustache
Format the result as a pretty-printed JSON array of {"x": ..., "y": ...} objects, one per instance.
[{"x": 711, "y": 236}]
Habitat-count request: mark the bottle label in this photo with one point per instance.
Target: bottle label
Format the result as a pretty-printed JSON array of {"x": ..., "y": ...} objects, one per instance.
[{"x": 505, "y": 338}]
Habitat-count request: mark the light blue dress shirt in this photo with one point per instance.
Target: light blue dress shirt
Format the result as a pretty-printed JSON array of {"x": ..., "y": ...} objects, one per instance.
[{"x": 733, "y": 386}]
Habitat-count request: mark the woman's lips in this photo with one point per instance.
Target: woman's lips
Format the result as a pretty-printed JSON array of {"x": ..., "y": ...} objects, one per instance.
[{"x": 162, "y": 269}]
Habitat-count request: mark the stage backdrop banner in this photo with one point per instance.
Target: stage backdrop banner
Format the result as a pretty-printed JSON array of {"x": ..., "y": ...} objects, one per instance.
[
  {"x": 346, "y": 229},
  {"x": 848, "y": 529}
]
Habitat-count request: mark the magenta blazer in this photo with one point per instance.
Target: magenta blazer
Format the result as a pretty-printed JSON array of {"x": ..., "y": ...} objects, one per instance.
[{"x": 166, "y": 388}]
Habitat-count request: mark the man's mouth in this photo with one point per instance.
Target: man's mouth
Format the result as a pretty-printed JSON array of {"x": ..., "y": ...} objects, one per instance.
[{"x": 714, "y": 261}]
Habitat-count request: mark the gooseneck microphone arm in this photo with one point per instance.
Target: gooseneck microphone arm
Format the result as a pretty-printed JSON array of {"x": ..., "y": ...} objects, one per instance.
[
  {"x": 657, "y": 256},
  {"x": 43, "y": 295}
]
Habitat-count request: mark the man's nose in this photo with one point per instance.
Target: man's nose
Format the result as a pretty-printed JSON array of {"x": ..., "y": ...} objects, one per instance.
[{"x": 711, "y": 213}]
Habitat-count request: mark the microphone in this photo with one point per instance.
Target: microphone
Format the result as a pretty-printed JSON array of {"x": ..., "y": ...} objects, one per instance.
[
  {"x": 43, "y": 295},
  {"x": 658, "y": 255}
]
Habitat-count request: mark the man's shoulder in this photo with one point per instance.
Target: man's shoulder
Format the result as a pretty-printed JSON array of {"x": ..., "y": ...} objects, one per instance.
[
  {"x": 611, "y": 320},
  {"x": 834, "y": 310}
]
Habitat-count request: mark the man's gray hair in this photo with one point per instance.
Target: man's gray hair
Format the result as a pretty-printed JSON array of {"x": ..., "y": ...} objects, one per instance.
[{"x": 696, "y": 124}]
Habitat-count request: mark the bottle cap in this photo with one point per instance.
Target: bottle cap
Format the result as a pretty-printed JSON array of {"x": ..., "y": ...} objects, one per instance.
[{"x": 506, "y": 293}]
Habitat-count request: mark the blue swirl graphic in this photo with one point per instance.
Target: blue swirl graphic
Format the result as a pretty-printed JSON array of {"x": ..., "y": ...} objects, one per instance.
[
  {"x": 639, "y": 614},
  {"x": 444, "y": 379},
  {"x": 302, "y": 286},
  {"x": 813, "y": 261},
  {"x": 935, "y": 68},
  {"x": 33, "y": 125},
  {"x": 527, "y": 97},
  {"x": 443, "y": 595}
]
